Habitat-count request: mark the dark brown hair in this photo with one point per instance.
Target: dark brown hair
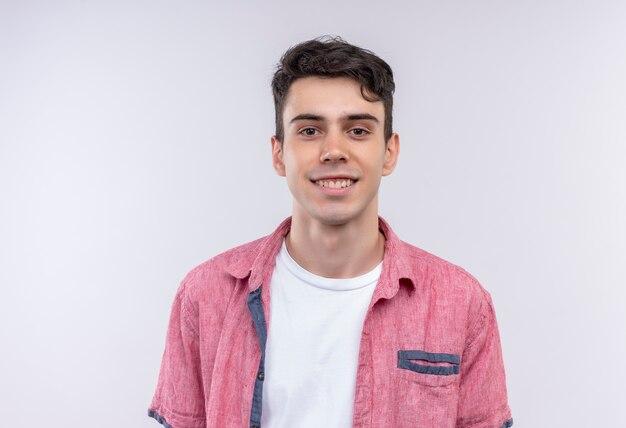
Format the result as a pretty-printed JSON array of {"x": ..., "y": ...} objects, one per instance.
[{"x": 333, "y": 57}]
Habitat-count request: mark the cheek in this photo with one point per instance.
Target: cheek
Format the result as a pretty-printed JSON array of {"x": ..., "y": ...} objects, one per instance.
[
  {"x": 296, "y": 162},
  {"x": 291, "y": 165},
  {"x": 372, "y": 154},
  {"x": 375, "y": 164},
  {"x": 293, "y": 172}
]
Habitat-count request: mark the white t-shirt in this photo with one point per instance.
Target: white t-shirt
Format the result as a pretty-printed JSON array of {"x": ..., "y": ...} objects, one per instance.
[{"x": 312, "y": 348}]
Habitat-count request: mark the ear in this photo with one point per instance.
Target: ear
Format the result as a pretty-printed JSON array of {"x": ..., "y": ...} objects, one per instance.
[
  {"x": 392, "y": 150},
  {"x": 277, "y": 156}
]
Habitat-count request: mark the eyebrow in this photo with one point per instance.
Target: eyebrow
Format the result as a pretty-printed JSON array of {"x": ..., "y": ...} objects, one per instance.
[
  {"x": 350, "y": 117},
  {"x": 307, "y": 116}
]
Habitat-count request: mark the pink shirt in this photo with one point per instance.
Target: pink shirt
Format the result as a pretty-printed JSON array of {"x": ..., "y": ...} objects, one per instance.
[{"x": 430, "y": 353}]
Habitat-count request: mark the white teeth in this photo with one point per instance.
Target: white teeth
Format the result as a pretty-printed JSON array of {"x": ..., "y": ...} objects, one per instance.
[{"x": 335, "y": 184}]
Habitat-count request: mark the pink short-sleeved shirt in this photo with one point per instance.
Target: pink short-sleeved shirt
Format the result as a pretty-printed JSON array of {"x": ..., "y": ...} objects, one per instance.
[{"x": 430, "y": 353}]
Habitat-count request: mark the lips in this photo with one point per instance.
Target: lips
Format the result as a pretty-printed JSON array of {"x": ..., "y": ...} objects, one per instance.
[{"x": 335, "y": 183}]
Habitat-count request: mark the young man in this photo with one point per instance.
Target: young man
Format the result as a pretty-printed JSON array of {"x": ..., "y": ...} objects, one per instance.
[{"x": 332, "y": 320}]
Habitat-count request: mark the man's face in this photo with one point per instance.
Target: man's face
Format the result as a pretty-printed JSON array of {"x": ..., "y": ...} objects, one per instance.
[{"x": 334, "y": 152}]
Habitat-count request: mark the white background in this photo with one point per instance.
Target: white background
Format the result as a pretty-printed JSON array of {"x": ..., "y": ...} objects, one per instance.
[{"x": 134, "y": 144}]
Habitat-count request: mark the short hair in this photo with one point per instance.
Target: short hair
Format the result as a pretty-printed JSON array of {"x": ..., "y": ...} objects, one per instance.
[{"x": 333, "y": 57}]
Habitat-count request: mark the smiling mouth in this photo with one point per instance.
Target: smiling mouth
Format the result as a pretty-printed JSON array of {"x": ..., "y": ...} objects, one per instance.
[{"x": 335, "y": 184}]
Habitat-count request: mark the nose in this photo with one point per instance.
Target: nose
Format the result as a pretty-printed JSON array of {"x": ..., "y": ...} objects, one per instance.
[{"x": 334, "y": 148}]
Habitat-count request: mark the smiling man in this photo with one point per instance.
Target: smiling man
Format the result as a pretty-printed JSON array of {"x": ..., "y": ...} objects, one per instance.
[{"x": 332, "y": 320}]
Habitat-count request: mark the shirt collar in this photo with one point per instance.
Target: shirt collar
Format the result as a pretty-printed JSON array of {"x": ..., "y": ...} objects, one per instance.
[{"x": 257, "y": 260}]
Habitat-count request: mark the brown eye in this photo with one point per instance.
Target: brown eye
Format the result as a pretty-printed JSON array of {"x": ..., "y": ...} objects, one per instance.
[
  {"x": 359, "y": 132},
  {"x": 309, "y": 132}
]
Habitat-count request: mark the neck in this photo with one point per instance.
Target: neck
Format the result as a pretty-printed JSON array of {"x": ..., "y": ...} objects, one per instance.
[{"x": 336, "y": 251}]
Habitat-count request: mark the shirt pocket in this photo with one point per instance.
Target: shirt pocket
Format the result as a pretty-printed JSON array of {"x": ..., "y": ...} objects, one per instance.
[{"x": 428, "y": 368}]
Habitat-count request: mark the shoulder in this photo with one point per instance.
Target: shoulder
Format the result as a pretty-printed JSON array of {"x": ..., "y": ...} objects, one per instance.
[
  {"x": 428, "y": 272},
  {"x": 237, "y": 267},
  {"x": 452, "y": 290},
  {"x": 221, "y": 272},
  {"x": 442, "y": 277}
]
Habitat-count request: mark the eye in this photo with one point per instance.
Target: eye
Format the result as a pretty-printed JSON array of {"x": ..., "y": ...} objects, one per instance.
[
  {"x": 308, "y": 132},
  {"x": 359, "y": 132}
]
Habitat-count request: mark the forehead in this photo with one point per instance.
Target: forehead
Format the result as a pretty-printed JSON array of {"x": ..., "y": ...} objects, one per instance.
[{"x": 328, "y": 97}]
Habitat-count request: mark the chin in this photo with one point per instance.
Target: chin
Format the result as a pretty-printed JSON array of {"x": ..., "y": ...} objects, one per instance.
[
  {"x": 332, "y": 214},
  {"x": 335, "y": 218}
]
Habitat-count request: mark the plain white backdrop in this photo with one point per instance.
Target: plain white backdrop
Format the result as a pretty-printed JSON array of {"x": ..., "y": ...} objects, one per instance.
[{"x": 134, "y": 144}]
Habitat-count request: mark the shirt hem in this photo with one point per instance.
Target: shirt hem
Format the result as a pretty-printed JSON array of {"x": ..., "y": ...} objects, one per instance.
[
  {"x": 493, "y": 421},
  {"x": 160, "y": 419},
  {"x": 507, "y": 424}
]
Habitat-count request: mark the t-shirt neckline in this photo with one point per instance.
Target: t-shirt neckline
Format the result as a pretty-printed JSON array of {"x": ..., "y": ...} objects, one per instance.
[{"x": 335, "y": 284}]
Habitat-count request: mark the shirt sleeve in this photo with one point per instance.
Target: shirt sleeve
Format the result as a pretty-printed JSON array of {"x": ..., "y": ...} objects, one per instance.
[
  {"x": 483, "y": 399},
  {"x": 179, "y": 400}
]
